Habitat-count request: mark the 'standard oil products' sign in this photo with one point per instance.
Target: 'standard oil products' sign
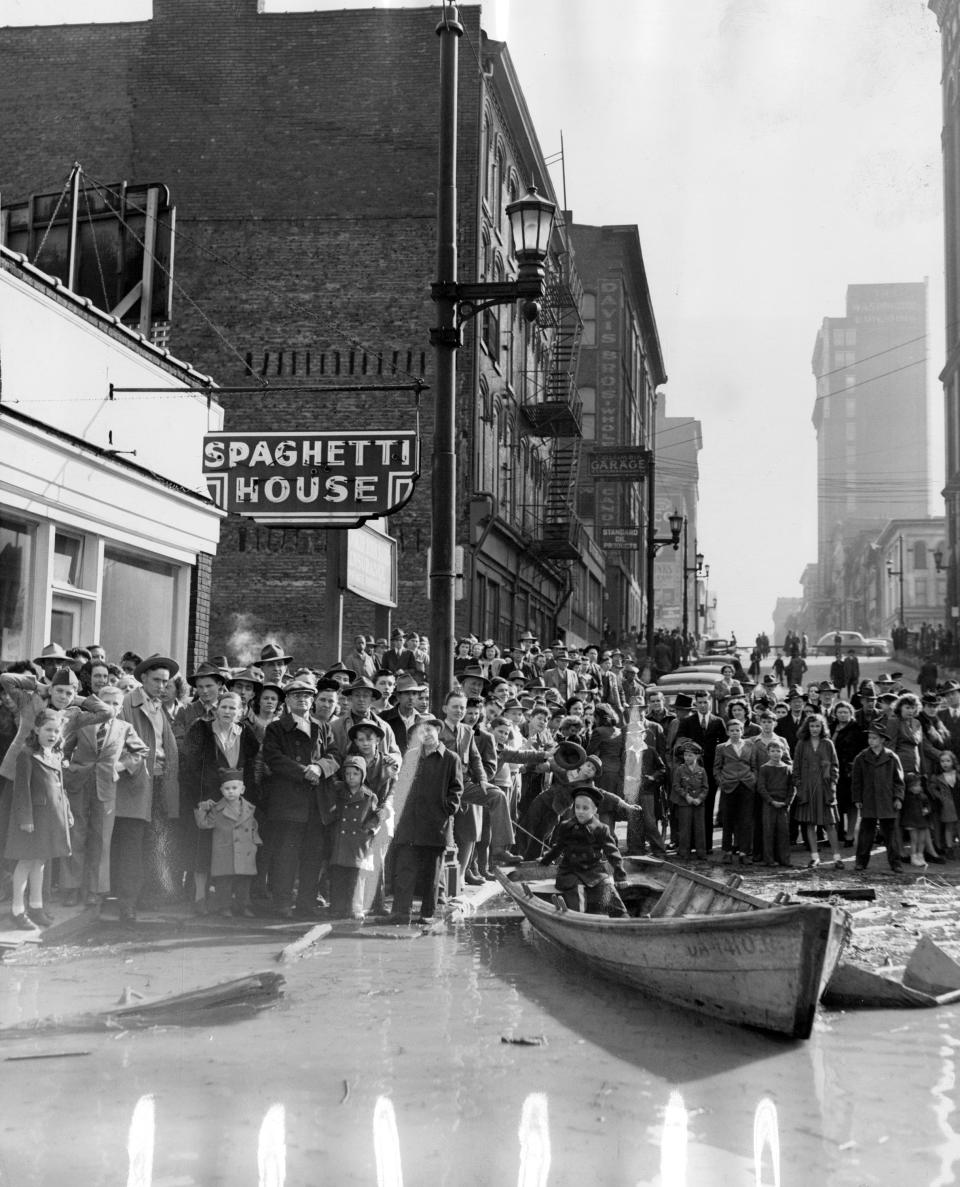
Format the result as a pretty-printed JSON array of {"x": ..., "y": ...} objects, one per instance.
[{"x": 336, "y": 480}]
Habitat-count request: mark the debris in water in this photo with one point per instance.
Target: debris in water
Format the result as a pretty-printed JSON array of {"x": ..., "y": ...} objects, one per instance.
[{"x": 525, "y": 1040}]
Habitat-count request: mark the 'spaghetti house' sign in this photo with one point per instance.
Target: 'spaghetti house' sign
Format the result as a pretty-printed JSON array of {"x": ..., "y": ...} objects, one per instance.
[{"x": 311, "y": 479}]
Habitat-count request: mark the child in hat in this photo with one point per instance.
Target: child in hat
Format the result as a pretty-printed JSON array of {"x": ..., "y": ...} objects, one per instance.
[
  {"x": 688, "y": 793},
  {"x": 585, "y": 849},
  {"x": 357, "y": 816},
  {"x": 233, "y": 862},
  {"x": 40, "y": 819}
]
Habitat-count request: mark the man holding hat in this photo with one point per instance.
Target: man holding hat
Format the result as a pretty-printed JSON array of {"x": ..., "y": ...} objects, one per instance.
[
  {"x": 877, "y": 787},
  {"x": 148, "y": 798}
]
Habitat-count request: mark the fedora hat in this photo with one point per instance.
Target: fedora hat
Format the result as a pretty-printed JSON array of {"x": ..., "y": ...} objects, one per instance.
[
  {"x": 770, "y": 681},
  {"x": 409, "y": 683},
  {"x": 249, "y": 675},
  {"x": 513, "y": 673},
  {"x": 867, "y": 688},
  {"x": 54, "y": 653},
  {"x": 271, "y": 653},
  {"x": 362, "y": 684},
  {"x": 305, "y": 682},
  {"x": 340, "y": 668},
  {"x": 528, "y": 637},
  {"x": 476, "y": 672},
  {"x": 683, "y": 700},
  {"x": 373, "y": 726},
  {"x": 155, "y": 661},
  {"x": 210, "y": 669},
  {"x": 949, "y": 686}
]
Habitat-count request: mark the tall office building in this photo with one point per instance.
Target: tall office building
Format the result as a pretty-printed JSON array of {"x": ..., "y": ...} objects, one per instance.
[{"x": 870, "y": 415}]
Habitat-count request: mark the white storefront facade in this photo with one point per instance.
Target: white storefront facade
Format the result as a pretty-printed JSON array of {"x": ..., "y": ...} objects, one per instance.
[{"x": 106, "y": 527}]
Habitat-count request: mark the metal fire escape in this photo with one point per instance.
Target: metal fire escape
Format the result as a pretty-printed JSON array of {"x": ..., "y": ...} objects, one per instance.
[{"x": 555, "y": 412}]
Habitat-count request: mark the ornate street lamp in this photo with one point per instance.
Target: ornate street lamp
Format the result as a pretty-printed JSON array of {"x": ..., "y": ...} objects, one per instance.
[{"x": 531, "y": 222}]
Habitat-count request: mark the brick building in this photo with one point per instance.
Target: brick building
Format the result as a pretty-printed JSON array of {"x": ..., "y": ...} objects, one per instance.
[
  {"x": 621, "y": 368},
  {"x": 300, "y": 151}
]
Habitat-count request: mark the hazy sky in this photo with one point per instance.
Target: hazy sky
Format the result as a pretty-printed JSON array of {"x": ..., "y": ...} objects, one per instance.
[{"x": 771, "y": 153}]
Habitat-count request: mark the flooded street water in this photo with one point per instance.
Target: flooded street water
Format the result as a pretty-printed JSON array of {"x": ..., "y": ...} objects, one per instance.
[{"x": 385, "y": 1063}]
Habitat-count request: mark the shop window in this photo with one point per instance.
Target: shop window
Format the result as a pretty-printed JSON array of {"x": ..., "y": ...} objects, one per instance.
[
  {"x": 68, "y": 560},
  {"x": 16, "y": 558},
  {"x": 139, "y": 604}
]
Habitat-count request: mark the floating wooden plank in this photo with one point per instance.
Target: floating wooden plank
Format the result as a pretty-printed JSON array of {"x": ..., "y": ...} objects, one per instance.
[
  {"x": 213, "y": 1003},
  {"x": 297, "y": 949}
]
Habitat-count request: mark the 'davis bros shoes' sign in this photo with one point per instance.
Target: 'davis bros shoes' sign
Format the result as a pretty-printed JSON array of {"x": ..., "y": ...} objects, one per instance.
[{"x": 319, "y": 479}]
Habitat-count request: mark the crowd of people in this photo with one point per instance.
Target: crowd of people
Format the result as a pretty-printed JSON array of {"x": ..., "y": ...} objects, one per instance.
[{"x": 301, "y": 792}]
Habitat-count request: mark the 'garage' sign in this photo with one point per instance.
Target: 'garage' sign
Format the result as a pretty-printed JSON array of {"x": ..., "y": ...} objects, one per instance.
[{"x": 311, "y": 479}]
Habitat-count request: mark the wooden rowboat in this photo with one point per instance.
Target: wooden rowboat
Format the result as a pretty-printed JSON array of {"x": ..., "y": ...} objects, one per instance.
[{"x": 696, "y": 942}]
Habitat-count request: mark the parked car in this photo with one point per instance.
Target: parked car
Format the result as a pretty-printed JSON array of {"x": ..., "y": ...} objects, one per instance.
[
  {"x": 718, "y": 647},
  {"x": 851, "y": 641}
]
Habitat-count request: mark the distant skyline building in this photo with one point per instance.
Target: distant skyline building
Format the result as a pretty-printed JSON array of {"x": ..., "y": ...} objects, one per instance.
[{"x": 870, "y": 416}]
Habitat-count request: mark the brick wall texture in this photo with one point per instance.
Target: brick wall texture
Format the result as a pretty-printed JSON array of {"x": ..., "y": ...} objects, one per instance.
[{"x": 301, "y": 154}]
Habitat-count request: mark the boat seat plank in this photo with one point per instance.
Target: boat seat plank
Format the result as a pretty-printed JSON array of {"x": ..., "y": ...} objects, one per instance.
[
  {"x": 681, "y": 899},
  {"x": 663, "y": 906}
]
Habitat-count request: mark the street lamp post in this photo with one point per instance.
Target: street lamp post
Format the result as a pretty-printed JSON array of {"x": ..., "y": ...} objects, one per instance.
[
  {"x": 531, "y": 222},
  {"x": 654, "y": 544},
  {"x": 690, "y": 570},
  {"x": 892, "y": 572}
]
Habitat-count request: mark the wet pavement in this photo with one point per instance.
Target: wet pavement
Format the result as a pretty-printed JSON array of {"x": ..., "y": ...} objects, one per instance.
[{"x": 394, "y": 1057}]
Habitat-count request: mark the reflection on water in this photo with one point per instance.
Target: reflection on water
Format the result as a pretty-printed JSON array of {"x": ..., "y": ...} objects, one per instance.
[
  {"x": 766, "y": 1140},
  {"x": 534, "y": 1142},
  {"x": 673, "y": 1143},
  {"x": 386, "y": 1144},
  {"x": 272, "y": 1148},
  {"x": 140, "y": 1143},
  {"x": 943, "y": 1091}
]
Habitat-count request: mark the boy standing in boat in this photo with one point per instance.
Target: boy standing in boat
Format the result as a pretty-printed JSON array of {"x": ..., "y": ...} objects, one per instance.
[{"x": 583, "y": 847}]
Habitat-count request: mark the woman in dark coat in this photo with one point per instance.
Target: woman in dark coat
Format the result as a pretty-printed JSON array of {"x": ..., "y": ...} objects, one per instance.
[
  {"x": 211, "y": 747},
  {"x": 849, "y": 738}
]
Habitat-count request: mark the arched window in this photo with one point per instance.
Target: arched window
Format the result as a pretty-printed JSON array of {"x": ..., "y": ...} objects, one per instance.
[
  {"x": 491, "y": 321},
  {"x": 497, "y": 196},
  {"x": 512, "y": 192},
  {"x": 486, "y": 156}
]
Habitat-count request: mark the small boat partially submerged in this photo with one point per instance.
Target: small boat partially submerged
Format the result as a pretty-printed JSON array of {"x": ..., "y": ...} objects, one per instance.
[{"x": 697, "y": 942}]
